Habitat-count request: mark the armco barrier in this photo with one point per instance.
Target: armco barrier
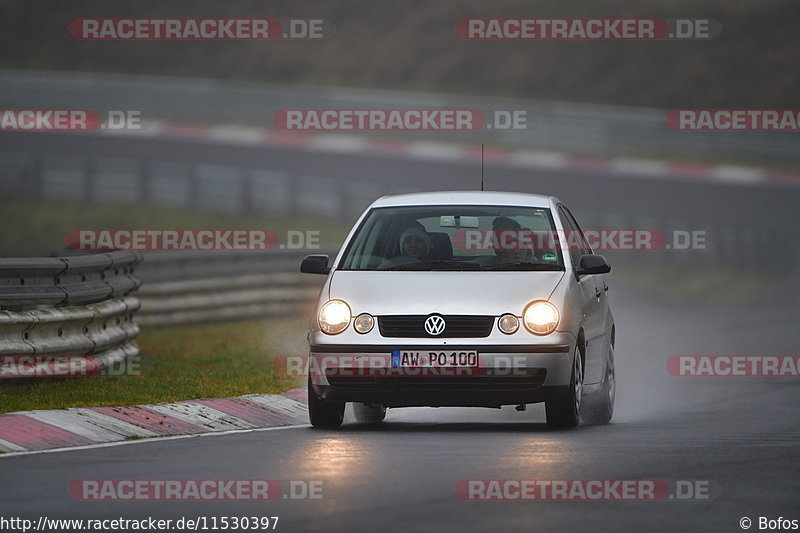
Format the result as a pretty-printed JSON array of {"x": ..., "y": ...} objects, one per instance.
[
  {"x": 184, "y": 287},
  {"x": 78, "y": 306},
  {"x": 82, "y": 306},
  {"x": 66, "y": 280}
]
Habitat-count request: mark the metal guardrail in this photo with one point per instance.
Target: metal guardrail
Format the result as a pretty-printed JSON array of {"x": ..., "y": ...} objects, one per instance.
[
  {"x": 220, "y": 299},
  {"x": 190, "y": 184},
  {"x": 571, "y": 127},
  {"x": 182, "y": 287},
  {"x": 183, "y": 265},
  {"x": 76, "y": 330},
  {"x": 67, "y": 280},
  {"x": 78, "y": 306},
  {"x": 82, "y": 306}
]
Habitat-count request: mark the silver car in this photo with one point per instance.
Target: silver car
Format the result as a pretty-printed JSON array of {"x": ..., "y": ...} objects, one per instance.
[{"x": 462, "y": 298}]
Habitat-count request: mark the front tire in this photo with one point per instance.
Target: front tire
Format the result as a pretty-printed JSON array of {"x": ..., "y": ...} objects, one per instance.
[
  {"x": 599, "y": 407},
  {"x": 324, "y": 414},
  {"x": 565, "y": 412}
]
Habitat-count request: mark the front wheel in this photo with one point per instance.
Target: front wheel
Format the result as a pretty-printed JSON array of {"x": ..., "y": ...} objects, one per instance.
[
  {"x": 565, "y": 412},
  {"x": 324, "y": 414},
  {"x": 599, "y": 408}
]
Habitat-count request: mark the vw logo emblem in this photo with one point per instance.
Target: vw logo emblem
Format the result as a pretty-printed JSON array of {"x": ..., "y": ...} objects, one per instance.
[{"x": 434, "y": 325}]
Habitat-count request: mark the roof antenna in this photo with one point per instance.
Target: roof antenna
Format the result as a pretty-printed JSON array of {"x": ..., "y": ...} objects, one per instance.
[{"x": 481, "y": 167}]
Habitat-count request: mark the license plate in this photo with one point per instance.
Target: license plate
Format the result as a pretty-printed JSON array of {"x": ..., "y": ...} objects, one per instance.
[{"x": 434, "y": 359}]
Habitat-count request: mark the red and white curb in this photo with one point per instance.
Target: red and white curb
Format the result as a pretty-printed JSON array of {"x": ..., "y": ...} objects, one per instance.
[
  {"x": 450, "y": 152},
  {"x": 27, "y": 431}
]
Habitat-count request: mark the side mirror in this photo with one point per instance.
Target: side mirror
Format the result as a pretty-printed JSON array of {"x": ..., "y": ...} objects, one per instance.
[
  {"x": 315, "y": 264},
  {"x": 592, "y": 264}
]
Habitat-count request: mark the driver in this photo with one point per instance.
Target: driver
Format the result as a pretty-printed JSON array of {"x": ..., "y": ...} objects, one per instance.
[{"x": 516, "y": 253}]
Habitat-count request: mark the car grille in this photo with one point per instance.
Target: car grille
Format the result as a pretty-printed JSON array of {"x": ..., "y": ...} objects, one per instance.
[{"x": 455, "y": 326}]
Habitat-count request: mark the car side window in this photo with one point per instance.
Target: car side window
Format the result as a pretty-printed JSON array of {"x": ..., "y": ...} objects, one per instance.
[
  {"x": 574, "y": 237},
  {"x": 585, "y": 248}
]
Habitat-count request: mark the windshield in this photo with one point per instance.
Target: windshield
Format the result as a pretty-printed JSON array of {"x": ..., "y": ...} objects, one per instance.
[{"x": 453, "y": 237}]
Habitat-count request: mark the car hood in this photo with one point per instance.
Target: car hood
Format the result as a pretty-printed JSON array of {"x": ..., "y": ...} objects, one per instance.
[{"x": 460, "y": 293}]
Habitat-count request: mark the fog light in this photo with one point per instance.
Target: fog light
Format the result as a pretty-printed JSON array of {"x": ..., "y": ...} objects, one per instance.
[
  {"x": 363, "y": 323},
  {"x": 508, "y": 324}
]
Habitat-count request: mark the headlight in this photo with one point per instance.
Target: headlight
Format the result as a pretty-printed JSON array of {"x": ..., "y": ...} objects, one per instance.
[
  {"x": 334, "y": 316},
  {"x": 508, "y": 324},
  {"x": 363, "y": 323},
  {"x": 541, "y": 318}
]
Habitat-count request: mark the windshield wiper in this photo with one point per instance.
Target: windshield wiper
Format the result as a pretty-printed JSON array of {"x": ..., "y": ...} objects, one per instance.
[
  {"x": 437, "y": 265},
  {"x": 526, "y": 266}
]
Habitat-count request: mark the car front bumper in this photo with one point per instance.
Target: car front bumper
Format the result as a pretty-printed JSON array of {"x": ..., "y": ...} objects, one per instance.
[{"x": 507, "y": 373}]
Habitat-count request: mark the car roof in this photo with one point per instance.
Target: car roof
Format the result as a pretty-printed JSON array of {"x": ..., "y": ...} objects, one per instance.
[{"x": 466, "y": 198}]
